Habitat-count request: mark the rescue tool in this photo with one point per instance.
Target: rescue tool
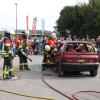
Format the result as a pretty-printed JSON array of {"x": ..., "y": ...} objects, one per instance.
[{"x": 21, "y": 50}]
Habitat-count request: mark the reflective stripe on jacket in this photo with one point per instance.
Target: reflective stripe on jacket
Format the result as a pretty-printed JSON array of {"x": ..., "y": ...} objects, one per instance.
[{"x": 6, "y": 47}]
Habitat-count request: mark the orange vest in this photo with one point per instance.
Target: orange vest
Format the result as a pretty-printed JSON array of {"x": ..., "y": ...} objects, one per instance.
[{"x": 51, "y": 42}]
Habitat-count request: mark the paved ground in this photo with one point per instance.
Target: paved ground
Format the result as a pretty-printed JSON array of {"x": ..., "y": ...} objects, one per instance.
[{"x": 30, "y": 83}]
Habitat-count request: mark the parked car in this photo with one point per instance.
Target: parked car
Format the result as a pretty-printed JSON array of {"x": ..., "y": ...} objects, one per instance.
[{"x": 77, "y": 56}]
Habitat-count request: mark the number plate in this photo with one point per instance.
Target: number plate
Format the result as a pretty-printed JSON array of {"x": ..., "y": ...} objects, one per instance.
[{"x": 81, "y": 60}]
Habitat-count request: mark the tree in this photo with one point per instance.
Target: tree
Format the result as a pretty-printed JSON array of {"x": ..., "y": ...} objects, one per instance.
[
  {"x": 68, "y": 17},
  {"x": 80, "y": 20}
]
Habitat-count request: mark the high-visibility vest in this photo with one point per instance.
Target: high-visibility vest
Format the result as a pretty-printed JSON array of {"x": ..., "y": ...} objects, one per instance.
[
  {"x": 6, "y": 47},
  {"x": 20, "y": 43}
]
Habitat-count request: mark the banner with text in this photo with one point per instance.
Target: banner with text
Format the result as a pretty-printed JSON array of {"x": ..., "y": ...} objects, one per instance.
[{"x": 34, "y": 25}]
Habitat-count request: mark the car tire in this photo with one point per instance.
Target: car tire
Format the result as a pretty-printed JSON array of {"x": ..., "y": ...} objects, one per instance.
[
  {"x": 60, "y": 72},
  {"x": 93, "y": 73}
]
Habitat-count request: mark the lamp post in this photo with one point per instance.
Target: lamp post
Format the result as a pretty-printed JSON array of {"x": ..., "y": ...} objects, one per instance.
[{"x": 16, "y": 16}]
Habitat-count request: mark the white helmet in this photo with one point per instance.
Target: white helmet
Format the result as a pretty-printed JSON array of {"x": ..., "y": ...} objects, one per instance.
[
  {"x": 53, "y": 35},
  {"x": 12, "y": 32},
  {"x": 47, "y": 48}
]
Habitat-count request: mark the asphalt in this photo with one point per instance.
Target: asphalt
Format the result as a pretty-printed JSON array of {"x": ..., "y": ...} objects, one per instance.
[{"x": 30, "y": 84}]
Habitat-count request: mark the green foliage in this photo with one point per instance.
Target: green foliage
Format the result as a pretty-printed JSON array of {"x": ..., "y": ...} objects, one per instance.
[{"x": 80, "y": 20}]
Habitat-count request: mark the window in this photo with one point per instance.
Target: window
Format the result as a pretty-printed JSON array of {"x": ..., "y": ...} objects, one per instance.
[
  {"x": 90, "y": 48},
  {"x": 79, "y": 47}
]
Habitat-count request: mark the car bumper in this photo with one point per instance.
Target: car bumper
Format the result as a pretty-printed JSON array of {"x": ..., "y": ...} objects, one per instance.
[{"x": 79, "y": 66}]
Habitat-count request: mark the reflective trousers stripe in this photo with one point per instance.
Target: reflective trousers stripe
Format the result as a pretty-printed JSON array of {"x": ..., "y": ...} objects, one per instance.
[
  {"x": 11, "y": 69},
  {"x": 5, "y": 72},
  {"x": 23, "y": 63}
]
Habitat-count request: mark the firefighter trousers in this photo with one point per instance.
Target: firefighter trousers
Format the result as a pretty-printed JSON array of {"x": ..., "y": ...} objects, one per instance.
[
  {"x": 23, "y": 63},
  {"x": 7, "y": 68}
]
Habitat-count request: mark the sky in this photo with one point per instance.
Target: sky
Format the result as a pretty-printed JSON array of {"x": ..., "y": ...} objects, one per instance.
[{"x": 42, "y": 9}]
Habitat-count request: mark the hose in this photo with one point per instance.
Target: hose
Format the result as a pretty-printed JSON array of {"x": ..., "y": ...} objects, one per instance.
[
  {"x": 15, "y": 93},
  {"x": 43, "y": 98},
  {"x": 43, "y": 75},
  {"x": 73, "y": 95},
  {"x": 24, "y": 95}
]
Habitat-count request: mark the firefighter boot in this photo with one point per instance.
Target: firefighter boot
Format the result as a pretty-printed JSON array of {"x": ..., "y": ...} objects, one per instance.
[
  {"x": 11, "y": 74},
  {"x": 21, "y": 68},
  {"x": 6, "y": 76},
  {"x": 26, "y": 67}
]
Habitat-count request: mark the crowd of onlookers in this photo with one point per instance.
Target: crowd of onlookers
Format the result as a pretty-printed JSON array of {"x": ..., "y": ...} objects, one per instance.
[{"x": 36, "y": 44}]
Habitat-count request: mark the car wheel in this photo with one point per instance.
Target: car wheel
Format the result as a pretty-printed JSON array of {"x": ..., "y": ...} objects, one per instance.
[
  {"x": 93, "y": 72},
  {"x": 60, "y": 72}
]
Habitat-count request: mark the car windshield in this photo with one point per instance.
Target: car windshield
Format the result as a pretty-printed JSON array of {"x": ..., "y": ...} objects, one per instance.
[{"x": 79, "y": 47}]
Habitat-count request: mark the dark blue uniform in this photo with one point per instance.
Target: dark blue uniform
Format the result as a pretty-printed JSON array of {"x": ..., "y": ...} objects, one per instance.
[{"x": 8, "y": 56}]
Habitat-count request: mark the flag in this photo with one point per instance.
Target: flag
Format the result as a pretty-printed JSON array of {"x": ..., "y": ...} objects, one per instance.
[
  {"x": 42, "y": 25},
  {"x": 27, "y": 22},
  {"x": 34, "y": 25}
]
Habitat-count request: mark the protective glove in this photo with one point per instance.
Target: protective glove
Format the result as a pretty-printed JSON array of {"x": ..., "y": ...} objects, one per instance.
[{"x": 55, "y": 49}]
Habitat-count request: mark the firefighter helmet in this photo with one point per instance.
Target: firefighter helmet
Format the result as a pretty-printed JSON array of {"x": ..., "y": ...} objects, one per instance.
[
  {"x": 47, "y": 48},
  {"x": 12, "y": 32},
  {"x": 53, "y": 35},
  {"x": 9, "y": 31},
  {"x": 6, "y": 31}
]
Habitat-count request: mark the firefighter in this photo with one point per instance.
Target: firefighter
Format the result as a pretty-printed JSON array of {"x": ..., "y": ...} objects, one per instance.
[
  {"x": 7, "y": 54},
  {"x": 52, "y": 41},
  {"x": 50, "y": 49},
  {"x": 23, "y": 47}
]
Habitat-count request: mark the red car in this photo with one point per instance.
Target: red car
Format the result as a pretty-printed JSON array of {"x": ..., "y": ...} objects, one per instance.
[{"x": 77, "y": 56}]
